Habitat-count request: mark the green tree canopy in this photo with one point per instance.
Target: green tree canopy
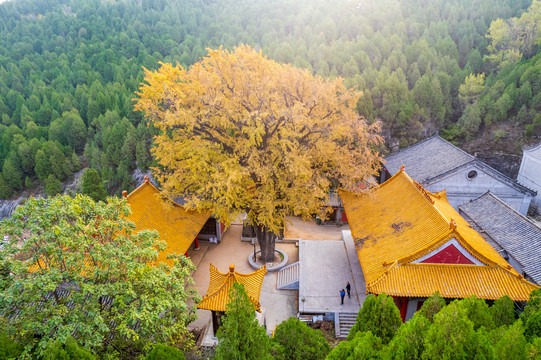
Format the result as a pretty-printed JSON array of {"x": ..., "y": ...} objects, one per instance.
[
  {"x": 380, "y": 316},
  {"x": 87, "y": 273},
  {"x": 363, "y": 346},
  {"x": 298, "y": 341},
  {"x": 240, "y": 335},
  {"x": 432, "y": 306},
  {"x": 92, "y": 185}
]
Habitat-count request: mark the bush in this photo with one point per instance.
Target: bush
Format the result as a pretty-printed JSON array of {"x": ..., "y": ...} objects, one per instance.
[
  {"x": 364, "y": 345},
  {"x": 56, "y": 350},
  {"x": 9, "y": 349},
  {"x": 298, "y": 341},
  {"x": 165, "y": 352}
]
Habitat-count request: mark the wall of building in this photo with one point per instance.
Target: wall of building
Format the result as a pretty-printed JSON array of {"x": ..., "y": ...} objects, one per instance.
[
  {"x": 471, "y": 182},
  {"x": 529, "y": 174}
]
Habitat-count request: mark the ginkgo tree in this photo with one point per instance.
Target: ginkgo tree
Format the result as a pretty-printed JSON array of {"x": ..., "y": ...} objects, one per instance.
[{"x": 242, "y": 133}]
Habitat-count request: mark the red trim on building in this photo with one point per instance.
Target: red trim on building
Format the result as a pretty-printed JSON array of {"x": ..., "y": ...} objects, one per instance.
[
  {"x": 344, "y": 217},
  {"x": 402, "y": 304},
  {"x": 449, "y": 255},
  {"x": 222, "y": 227}
]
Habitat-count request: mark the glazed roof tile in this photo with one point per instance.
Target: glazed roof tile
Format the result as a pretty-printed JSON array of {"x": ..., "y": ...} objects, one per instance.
[
  {"x": 510, "y": 230},
  {"x": 217, "y": 296},
  {"x": 399, "y": 222},
  {"x": 177, "y": 226}
]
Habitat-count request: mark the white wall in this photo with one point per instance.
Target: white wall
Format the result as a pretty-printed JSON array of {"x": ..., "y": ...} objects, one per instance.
[
  {"x": 461, "y": 189},
  {"x": 529, "y": 175}
]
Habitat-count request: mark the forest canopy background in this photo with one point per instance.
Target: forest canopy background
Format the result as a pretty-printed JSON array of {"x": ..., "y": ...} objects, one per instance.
[{"x": 68, "y": 72}]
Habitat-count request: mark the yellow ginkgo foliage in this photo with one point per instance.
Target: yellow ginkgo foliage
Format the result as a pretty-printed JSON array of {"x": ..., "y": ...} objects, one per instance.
[{"x": 240, "y": 132}]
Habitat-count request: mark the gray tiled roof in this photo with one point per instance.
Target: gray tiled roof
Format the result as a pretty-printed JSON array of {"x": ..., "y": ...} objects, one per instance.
[
  {"x": 427, "y": 159},
  {"x": 512, "y": 231},
  {"x": 534, "y": 150}
]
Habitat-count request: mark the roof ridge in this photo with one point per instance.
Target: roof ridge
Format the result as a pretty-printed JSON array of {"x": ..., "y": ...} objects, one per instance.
[
  {"x": 382, "y": 276},
  {"x": 531, "y": 148},
  {"x": 425, "y": 194},
  {"x": 148, "y": 183},
  {"x": 500, "y": 201},
  {"x": 436, "y": 136}
]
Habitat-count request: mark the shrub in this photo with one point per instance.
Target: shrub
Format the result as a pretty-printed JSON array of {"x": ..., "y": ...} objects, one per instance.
[
  {"x": 68, "y": 350},
  {"x": 165, "y": 352},
  {"x": 299, "y": 341}
]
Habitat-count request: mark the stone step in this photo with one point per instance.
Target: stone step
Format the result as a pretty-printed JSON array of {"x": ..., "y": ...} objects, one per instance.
[
  {"x": 288, "y": 277},
  {"x": 343, "y": 323}
]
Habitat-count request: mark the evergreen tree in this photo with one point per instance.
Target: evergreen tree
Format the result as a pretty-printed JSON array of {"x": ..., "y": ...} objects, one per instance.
[
  {"x": 298, "y": 341},
  {"x": 503, "y": 311},
  {"x": 92, "y": 185},
  {"x": 378, "y": 315},
  {"x": 241, "y": 336},
  {"x": 452, "y": 336},
  {"x": 408, "y": 343},
  {"x": 53, "y": 186},
  {"x": 509, "y": 342},
  {"x": 363, "y": 346},
  {"x": 432, "y": 306},
  {"x": 477, "y": 311}
]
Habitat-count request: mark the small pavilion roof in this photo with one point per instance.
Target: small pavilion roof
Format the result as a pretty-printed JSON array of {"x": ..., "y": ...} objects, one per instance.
[
  {"x": 399, "y": 223},
  {"x": 177, "y": 226},
  {"x": 217, "y": 296}
]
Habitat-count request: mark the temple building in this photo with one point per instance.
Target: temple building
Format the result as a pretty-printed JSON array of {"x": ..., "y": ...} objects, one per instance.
[
  {"x": 177, "y": 226},
  {"x": 439, "y": 165},
  {"x": 412, "y": 243},
  {"x": 217, "y": 296}
]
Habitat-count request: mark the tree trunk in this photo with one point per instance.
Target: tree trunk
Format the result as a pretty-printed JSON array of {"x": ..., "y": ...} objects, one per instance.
[{"x": 267, "y": 242}]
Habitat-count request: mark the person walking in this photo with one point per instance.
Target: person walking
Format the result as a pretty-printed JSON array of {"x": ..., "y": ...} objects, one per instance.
[
  {"x": 342, "y": 295},
  {"x": 348, "y": 288}
]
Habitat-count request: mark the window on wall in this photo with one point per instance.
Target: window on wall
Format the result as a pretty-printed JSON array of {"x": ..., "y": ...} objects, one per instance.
[{"x": 472, "y": 175}]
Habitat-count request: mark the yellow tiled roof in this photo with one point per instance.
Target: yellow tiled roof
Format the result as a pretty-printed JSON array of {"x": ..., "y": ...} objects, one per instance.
[
  {"x": 399, "y": 222},
  {"x": 453, "y": 281},
  {"x": 217, "y": 296},
  {"x": 177, "y": 227}
]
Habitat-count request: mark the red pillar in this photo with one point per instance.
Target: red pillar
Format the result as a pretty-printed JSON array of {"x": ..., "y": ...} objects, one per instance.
[
  {"x": 404, "y": 308},
  {"x": 196, "y": 243}
]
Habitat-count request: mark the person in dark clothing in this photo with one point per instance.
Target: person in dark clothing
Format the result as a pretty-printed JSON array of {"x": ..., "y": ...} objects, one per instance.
[
  {"x": 342, "y": 295},
  {"x": 348, "y": 288}
]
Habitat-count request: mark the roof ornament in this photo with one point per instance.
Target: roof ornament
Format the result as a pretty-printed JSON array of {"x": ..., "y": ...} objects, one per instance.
[
  {"x": 452, "y": 225},
  {"x": 146, "y": 179},
  {"x": 125, "y": 194},
  {"x": 232, "y": 268},
  {"x": 423, "y": 191},
  {"x": 403, "y": 167}
]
